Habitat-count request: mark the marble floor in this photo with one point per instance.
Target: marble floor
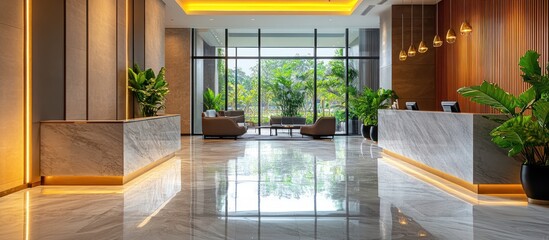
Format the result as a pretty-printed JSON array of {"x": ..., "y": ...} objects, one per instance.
[{"x": 248, "y": 189}]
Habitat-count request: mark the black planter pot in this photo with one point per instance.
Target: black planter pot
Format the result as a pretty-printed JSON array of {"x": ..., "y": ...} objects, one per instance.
[
  {"x": 373, "y": 133},
  {"x": 534, "y": 181},
  {"x": 366, "y": 131}
]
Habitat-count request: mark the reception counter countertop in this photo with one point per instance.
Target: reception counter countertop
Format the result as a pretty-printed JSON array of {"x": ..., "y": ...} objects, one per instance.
[
  {"x": 457, "y": 144},
  {"x": 105, "y": 152}
]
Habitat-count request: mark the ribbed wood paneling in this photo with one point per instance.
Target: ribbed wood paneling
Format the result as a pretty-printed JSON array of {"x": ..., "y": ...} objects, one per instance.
[{"x": 503, "y": 30}]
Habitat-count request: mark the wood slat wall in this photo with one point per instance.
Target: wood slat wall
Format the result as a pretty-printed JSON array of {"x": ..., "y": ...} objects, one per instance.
[{"x": 503, "y": 30}]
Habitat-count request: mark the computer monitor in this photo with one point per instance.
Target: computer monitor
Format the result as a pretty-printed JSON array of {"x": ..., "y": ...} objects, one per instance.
[
  {"x": 412, "y": 106},
  {"x": 450, "y": 106}
]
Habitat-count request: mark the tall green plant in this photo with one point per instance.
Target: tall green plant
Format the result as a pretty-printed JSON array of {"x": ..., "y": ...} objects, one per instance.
[
  {"x": 366, "y": 104},
  {"x": 211, "y": 100},
  {"x": 526, "y": 131},
  {"x": 288, "y": 95},
  {"x": 149, "y": 89}
]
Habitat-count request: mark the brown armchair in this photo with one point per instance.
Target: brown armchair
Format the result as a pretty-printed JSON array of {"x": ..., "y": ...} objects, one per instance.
[
  {"x": 323, "y": 127},
  {"x": 221, "y": 127}
]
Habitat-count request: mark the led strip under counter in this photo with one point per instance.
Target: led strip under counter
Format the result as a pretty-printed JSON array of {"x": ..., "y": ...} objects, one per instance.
[{"x": 475, "y": 188}]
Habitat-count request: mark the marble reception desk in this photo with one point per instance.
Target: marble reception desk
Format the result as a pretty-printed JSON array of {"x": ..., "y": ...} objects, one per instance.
[
  {"x": 105, "y": 152},
  {"x": 456, "y": 146}
]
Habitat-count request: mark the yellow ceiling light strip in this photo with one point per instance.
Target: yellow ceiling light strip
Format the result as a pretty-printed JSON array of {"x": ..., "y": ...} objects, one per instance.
[{"x": 198, "y": 7}]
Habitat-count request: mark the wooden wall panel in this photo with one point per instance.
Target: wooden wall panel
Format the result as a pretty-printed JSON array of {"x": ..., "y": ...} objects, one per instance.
[
  {"x": 75, "y": 55},
  {"x": 503, "y": 31},
  {"x": 11, "y": 95},
  {"x": 102, "y": 65},
  {"x": 48, "y": 75},
  {"x": 414, "y": 79},
  {"x": 178, "y": 60},
  {"x": 154, "y": 34},
  {"x": 122, "y": 57}
]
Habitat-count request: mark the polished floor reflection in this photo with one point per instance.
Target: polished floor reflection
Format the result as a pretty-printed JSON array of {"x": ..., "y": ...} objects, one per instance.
[{"x": 248, "y": 189}]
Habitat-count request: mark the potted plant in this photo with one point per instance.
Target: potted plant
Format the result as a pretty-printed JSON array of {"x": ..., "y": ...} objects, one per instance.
[
  {"x": 150, "y": 90},
  {"x": 526, "y": 132},
  {"x": 211, "y": 101},
  {"x": 366, "y": 105},
  {"x": 358, "y": 104}
]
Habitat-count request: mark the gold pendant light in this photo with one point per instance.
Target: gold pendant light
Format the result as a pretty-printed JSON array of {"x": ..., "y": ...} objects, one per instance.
[
  {"x": 402, "y": 55},
  {"x": 451, "y": 34},
  {"x": 412, "y": 50},
  {"x": 437, "y": 42},
  {"x": 465, "y": 28},
  {"x": 422, "y": 48}
]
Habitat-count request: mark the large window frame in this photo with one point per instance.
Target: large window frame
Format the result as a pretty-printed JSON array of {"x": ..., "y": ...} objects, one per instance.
[{"x": 346, "y": 58}]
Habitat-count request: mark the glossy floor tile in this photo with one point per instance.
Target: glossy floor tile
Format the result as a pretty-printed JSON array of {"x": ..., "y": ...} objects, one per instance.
[{"x": 248, "y": 189}]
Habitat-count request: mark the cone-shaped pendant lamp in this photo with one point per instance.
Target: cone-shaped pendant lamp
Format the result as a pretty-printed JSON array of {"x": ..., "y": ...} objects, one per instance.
[
  {"x": 465, "y": 28},
  {"x": 422, "y": 48},
  {"x": 402, "y": 55},
  {"x": 412, "y": 50},
  {"x": 437, "y": 42},
  {"x": 451, "y": 34}
]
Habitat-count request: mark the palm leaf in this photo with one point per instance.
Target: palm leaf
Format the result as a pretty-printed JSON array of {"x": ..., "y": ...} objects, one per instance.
[{"x": 491, "y": 95}]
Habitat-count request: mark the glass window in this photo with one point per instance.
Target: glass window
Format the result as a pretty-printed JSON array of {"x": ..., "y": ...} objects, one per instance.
[
  {"x": 243, "y": 43},
  {"x": 287, "y": 89},
  {"x": 209, "y": 42},
  {"x": 287, "y": 83},
  {"x": 331, "y": 89},
  {"x": 287, "y": 43},
  {"x": 330, "y": 43},
  {"x": 209, "y": 74}
]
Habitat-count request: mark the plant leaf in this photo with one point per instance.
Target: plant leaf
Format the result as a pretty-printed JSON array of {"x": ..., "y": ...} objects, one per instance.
[
  {"x": 526, "y": 98},
  {"x": 529, "y": 64},
  {"x": 541, "y": 112},
  {"x": 491, "y": 95}
]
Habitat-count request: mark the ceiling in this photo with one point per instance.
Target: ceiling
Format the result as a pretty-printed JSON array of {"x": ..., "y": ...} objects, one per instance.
[{"x": 365, "y": 15}]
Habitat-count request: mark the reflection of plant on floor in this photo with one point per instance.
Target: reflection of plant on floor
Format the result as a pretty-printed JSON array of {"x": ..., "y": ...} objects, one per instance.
[
  {"x": 287, "y": 175},
  {"x": 211, "y": 100}
]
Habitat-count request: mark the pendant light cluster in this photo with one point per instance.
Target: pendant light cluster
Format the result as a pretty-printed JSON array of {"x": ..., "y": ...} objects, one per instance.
[{"x": 451, "y": 37}]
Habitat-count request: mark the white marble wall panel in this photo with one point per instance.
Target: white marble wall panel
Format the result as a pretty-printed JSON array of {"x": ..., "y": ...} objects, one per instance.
[
  {"x": 456, "y": 143},
  {"x": 90, "y": 149},
  {"x": 149, "y": 140},
  {"x": 115, "y": 148}
]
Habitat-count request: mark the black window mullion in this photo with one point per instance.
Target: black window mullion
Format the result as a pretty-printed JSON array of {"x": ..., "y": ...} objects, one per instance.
[
  {"x": 259, "y": 79},
  {"x": 226, "y": 68},
  {"x": 315, "y": 107},
  {"x": 236, "y": 79},
  {"x": 347, "y": 81}
]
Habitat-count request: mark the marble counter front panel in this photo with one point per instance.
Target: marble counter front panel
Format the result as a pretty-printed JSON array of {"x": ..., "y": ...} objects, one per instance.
[
  {"x": 454, "y": 143},
  {"x": 116, "y": 148}
]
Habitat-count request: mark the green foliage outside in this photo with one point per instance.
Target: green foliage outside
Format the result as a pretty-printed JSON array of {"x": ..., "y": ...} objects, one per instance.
[
  {"x": 365, "y": 105},
  {"x": 212, "y": 100},
  {"x": 526, "y": 132},
  {"x": 287, "y": 88},
  {"x": 149, "y": 90}
]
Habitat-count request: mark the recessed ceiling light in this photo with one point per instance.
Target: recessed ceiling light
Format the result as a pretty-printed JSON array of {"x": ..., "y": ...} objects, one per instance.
[
  {"x": 330, "y": 19},
  {"x": 211, "y": 19},
  {"x": 253, "y": 19}
]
